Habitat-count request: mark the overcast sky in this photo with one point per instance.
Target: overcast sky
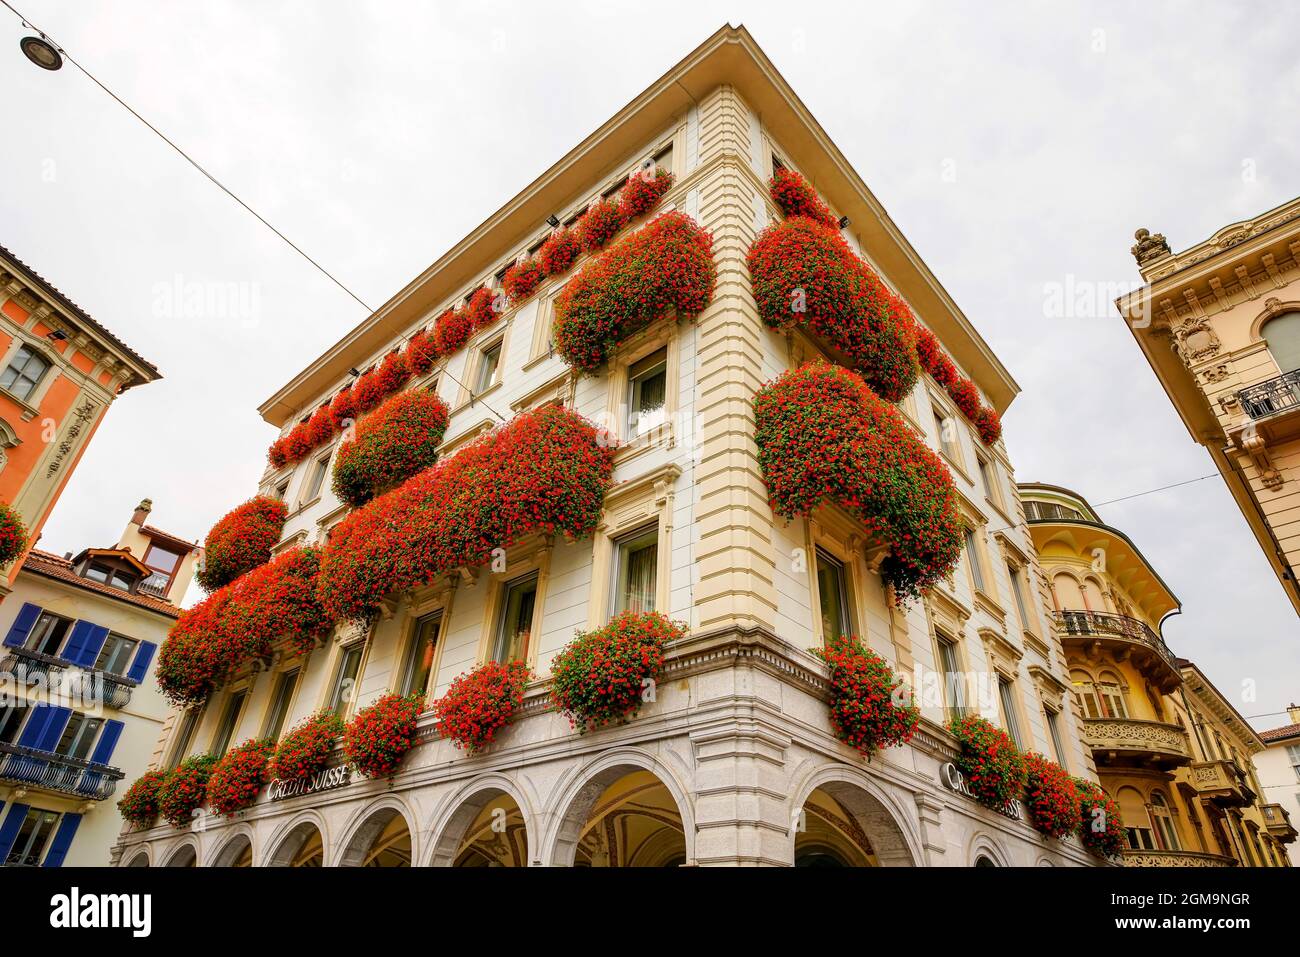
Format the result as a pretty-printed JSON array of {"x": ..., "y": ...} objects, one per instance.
[{"x": 1016, "y": 145}]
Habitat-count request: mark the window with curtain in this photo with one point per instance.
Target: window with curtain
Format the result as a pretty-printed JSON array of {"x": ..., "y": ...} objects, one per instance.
[
  {"x": 1164, "y": 822},
  {"x": 345, "y": 679},
  {"x": 419, "y": 660},
  {"x": 953, "y": 682},
  {"x": 1282, "y": 334},
  {"x": 973, "y": 557},
  {"x": 1086, "y": 694},
  {"x": 636, "y": 571},
  {"x": 1054, "y": 732},
  {"x": 229, "y": 718},
  {"x": 1007, "y": 698},
  {"x": 516, "y": 626},
  {"x": 1111, "y": 691},
  {"x": 32, "y": 837},
  {"x": 1018, "y": 593},
  {"x": 648, "y": 384},
  {"x": 285, "y": 684},
  {"x": 833, "y": 594}
]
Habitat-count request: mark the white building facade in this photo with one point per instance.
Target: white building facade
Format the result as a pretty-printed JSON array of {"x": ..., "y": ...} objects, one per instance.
[{"x": 735, "y": 762}]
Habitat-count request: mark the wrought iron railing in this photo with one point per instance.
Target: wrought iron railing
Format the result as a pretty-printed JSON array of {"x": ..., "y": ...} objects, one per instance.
[
  {"x": 1119, "y": 626},
  {"x": 1272, "y": 396},
  {"x": 113, "y": 691},
  {"x": 57, "y": 772},
  {"x": 155, "y": 586}
]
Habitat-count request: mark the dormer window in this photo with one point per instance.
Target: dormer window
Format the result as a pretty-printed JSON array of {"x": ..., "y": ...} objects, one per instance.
[{"x": 116, "y": 577}]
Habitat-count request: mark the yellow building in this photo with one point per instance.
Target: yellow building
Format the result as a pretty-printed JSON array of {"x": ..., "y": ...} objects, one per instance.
[
  {"x": 1220, "y": 325},
  {"x": 1167, "y": 745}
]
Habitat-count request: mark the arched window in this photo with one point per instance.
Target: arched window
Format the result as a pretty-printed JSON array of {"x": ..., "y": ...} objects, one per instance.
[
  {"x": 1086, "y": 694},
  {"x": 1164, "y": 822},
  {"x": 1068, "y": 595},
  {"x": 1112, "y": 692},
  {"x": 1283, "y": 336},
  {"x": 1137, "y": 823}
]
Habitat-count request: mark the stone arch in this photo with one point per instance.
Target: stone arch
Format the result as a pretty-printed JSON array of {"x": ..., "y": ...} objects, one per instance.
[
  {"x": 183, "y": 854},
  {"x": 290, "y": 838},
  {"x": 892, "y": 831},
  {"x": 138, "y": 857},
  {"x": 983, "y": 844},
  {"x": 368, "y": 825},
  {"x": 233, "y": 848},
  {"x": 1273, "y": 308},
  {"x": 578, "y": 792},
  {"x": 457, "y": 813}
]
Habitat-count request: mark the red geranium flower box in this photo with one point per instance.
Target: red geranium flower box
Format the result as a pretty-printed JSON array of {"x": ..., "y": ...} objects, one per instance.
[
  {"x": 792, "y": 193},
  {"x": 13, "y": 534},
  {"x": 241, "y": 540},
  {"x": 378, "y": 737},
  {"x": 394, "y": 442},
  {"x": 480, "y": 702},
  {"x": 642, "y": 192},
  {"x": 559, "y": 252},
  {"x": 599, "y": 224},
  {"x": 521, "y": 279},
  {"x": 139, "y": 805},
  {"x": 993, "y": 766},
  {"x": 1101, "y": 829},
  {"x": 238, "y": 777},
  {"x": 307, "y": 748},
  {"x": 185, "y": 790},
  {"x": 1050, "y": 797},
  {"x": 871, "y": 708}
]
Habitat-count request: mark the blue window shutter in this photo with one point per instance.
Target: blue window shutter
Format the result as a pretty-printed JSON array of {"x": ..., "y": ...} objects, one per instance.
[
  {"x": 34, "y": 729},
  {"x": 67, "y": 830},
  {"x": 54, "y": 725},
  {"x": 22, "y": 626},
  {"x": 85, "y": 644},
  {"x": 143, "y": 658},
  {"x": 107, "y": 742},
  {"x": 9, "y": 830}
]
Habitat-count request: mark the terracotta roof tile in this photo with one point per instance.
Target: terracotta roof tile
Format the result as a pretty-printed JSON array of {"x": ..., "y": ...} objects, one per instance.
[
  {"x": 1277, "y": 734},
  {"x": 158, "y": 533},
  {"x": 54, "y": 566}
]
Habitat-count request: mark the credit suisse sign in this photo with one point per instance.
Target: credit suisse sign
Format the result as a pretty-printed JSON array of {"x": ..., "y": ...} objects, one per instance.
[{"x": 336, "y": 777}]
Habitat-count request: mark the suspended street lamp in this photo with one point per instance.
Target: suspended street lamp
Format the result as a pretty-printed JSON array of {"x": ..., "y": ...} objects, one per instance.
[{"x": 41, "y": 52}]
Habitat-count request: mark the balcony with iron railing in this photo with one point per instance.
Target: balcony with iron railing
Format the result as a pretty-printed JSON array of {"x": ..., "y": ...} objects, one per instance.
[
  {"x": 87, "y": 684},
  {"x": 59, "y": 773},
  {"x": 1271, "y": 397},
  {"x": 155, "y": 586},
  {"x": 1153, "y": 656}
]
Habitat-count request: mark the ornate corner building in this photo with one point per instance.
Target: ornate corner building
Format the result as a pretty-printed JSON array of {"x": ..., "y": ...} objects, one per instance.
[
  {"x": 79, "y": 709},
  {"x": 735, "y": 761},
  {"x": 1220, "y": 325},
  {"x": 1167, "y": 745}
]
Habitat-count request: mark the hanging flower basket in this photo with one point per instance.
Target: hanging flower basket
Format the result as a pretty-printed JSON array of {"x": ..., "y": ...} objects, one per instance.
[
  {"x": 560, "y": 251},
  {"x": 823, "y": 436},
  {"x": 1101, "y": 829},
  {"x": 13, "y": 534},
  {"x": 480, "y": 702},
  {"x": 795, "y": 197},
  {"x": 964, "y": 395},
  {"x": 871, "y": 708},
  {"x": 994, "y": 768},
  {"x": 599, "y": 224},
  {"x": 185, "y": 790},
  {"x": 240, "y": 775},
  {"x": 241, "y": 541},
  {"x": 394, "y": 442},
  {"x": 307, "y": 748},
  {"x": 604, "y": 676},
  {"x": 643, "y": 192},
  {"x": 378, "y": 737},
  {"x": 521, "y": 279},
  {"x": 139, "y": 805},
  {"x": 1050, "y": 797}
]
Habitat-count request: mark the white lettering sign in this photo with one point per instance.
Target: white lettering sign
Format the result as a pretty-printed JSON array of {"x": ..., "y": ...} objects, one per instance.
[
  {"x": 956, "y": 781},
  {"x": 330, "y": 778}
]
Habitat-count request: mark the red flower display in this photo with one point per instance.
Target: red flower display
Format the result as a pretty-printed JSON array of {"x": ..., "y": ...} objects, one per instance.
[
  {"x": 994, "y": 768},
  {"x": 238, "y": 777},
  {"x": 307, "y": 748},
  {"x": 559, "y": 252},
  {"x": 602, "y": 676},
  {"x": 666, "y": 265},
  {"x": 643, "y": 192},
  {"x": 544, "y": 471},
  {"x": 13, "y": 534},
  {"x": 964, "y": 395},
  {"x": 451, "y": 331},
  {"x": 343, "y": 410},
  {"x": 1050, "y": 797},
  {"x": 599, "y": 224},
  {"x": 871, "y": 708},
  {"x": 139, "y": 805},
  {"x": 521, "y": 279},
  {"x": 483, "y": 308},
  {"x": 1101, "y": 829},
  {"x": 421, "y": 353},
  {"x": 480, "y": 702},
  {"x": 804, "y": 274},
  {"x": 240, "y": 622},
  {"x": 381, "y": 382},
  {"x": 824, "y": 436},
  {"x": 378, "y": 737},
  {"x": 185, "y": 790},
  {"x": 792, "y": 193},
  {"x": 392, "y": 443},
  {"x": 241, "y": 540}
]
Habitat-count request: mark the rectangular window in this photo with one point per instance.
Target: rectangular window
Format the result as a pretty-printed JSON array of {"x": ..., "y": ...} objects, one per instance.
[
  {"x": 648, "y": 384},
  {"x": 953, "y": 681},
  {"x": 316, "y": 481},
  {"x": 1007, "y": 698},
  {"x": 946, "y": 430},
  {"x": 282, "y": 490},
  {"x": 229, "y": 722},
  {"x": 1054, "y": 732},
  {"x": 109, "y": 576},
  {"x": 989, "y": 479},
  {"x": 419, "y": 660},
  {"x": 664, "y": 158},
  {"x": 115, "y": 657},
  {"x": 1140, "y": 839},
  {"x": 183, "y": 737},
  {"x": 1293, "y": 752},
  {"x": 833, "y": 596},
  {"x": 47, "y": 634},
  {"x": 78, "y": 735},
  {"x": 973, "y": 557},
  {"x": 1018, "y": 593},
  {"x": 345, "y": 679},
  {"x": 516, "y": 626},
  {"x": 11, "y": 720},
  {"x": 636, "y": 570},
  {"x": 489, "y": 362},
  {"x": 33, "y": 835},
  {"x": 285, "y": 685},
  {"x": 25, "y": 371},
  {"x": 162, "y": 560}
]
